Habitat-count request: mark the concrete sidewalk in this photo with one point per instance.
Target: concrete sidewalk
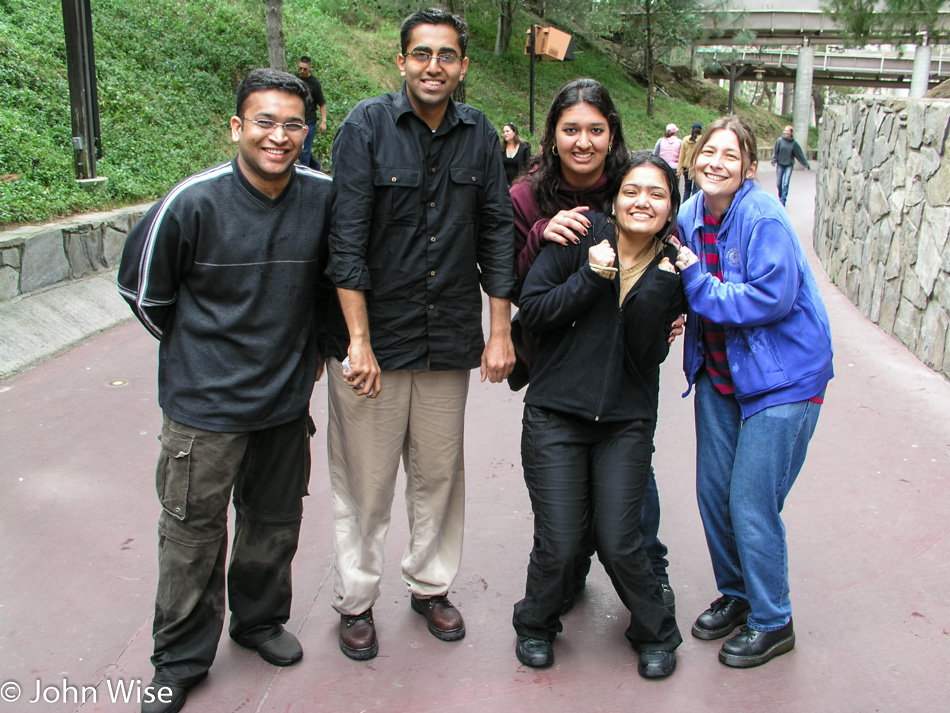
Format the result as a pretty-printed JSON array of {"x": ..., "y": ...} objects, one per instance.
[{"x": 866, "y": 522}]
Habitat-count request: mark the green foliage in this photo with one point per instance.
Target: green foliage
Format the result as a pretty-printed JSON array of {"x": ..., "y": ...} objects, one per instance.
[
  {"x": 167, "y": 71},
  {"x": 888, "y": 20}
]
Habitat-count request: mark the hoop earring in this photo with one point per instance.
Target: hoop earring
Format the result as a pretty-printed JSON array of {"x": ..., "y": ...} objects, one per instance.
[{"x": 554, "y": 150}]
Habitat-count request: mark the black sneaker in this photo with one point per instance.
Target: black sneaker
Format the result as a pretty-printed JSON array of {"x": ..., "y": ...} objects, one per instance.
[
  {"x": 723, "y": 615},
  {"x": 656, "y": 664},
  {"x": 536, "y": 653},
  {"x": 751, "y": 648},
  {"x": 164, "y": 698}
]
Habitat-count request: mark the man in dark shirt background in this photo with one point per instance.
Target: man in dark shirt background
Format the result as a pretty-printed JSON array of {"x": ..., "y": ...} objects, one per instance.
[
  {"x": 422, "y": 218},
  {"x": 784, "y": 154},
  {"x": 304, "y": 67}
]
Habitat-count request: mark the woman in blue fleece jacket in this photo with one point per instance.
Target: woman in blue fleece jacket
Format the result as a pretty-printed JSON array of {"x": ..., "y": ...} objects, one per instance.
[
  {"x": 758, "y": 351},
  {"x": 602, "y": 308}
]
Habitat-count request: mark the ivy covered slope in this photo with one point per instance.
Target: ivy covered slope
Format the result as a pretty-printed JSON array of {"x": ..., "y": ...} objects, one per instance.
[{"x": 167, "y": 70}]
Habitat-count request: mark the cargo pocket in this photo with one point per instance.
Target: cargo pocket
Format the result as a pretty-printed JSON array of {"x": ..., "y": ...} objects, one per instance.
[{"x": 173, "y": 475}]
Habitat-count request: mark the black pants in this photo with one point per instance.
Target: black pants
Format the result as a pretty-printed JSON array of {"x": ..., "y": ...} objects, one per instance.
[
  {"x": 268, "y": 471},
  {"x": 584, "y": 475}
]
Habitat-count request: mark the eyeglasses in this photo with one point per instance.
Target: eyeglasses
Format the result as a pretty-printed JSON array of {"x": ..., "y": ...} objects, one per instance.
[
  {"x": 423, "y": 58},
  {"x": 267, "y": 125}
]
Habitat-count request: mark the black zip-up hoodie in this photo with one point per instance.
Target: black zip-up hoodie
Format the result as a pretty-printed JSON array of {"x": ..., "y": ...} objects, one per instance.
[{"x": 598, "y": 360}]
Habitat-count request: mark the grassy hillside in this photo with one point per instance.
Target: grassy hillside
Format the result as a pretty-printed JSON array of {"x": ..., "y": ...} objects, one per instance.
[{"x": 167, "y": 70}]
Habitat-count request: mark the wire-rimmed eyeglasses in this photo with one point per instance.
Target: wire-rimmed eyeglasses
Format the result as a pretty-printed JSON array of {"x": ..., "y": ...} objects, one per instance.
[
  {"x": 423, "y": 58},
  {"x": 291, "y": 127}
]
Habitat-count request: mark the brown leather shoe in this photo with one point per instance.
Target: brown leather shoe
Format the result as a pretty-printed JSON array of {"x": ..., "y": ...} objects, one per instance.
[
  {"x": 445, "y": 621},
  {"x": 358, "y": 636}
]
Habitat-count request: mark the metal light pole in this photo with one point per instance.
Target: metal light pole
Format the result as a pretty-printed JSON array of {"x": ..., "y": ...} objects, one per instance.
[
  {"x": 83, "y": 97},
  {"x": 531, "y": 61}
]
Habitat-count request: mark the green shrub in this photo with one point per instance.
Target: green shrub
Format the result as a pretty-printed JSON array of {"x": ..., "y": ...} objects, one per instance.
[{"x": 167, "y": 71}]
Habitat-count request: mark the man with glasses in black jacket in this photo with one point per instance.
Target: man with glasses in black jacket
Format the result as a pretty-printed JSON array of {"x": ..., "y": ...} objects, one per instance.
[{"x": 225, "y": 271}]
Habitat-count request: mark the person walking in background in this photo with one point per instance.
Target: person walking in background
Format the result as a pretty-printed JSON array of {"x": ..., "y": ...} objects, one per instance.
[
  {"x": 225, "y": 272},
  {"x": 422, "y": 220},
  {"x": 784, "y": 155},
  {"x": 304, "y": 69},
  {"x": 668, "y": 147},
  {"x": 602, "y": 306},
  {"x": 686, "y": 160},
  {"x": 758, "y": 352},
  {"x": 515, "y": 150},
  {"x": 581, "y": 151}
]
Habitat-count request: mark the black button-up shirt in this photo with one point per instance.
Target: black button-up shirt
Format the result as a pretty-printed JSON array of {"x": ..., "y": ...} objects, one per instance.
[{"x": 421, "y": 218}]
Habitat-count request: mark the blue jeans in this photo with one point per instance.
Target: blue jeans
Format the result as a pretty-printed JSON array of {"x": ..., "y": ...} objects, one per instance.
[
  {"x": 582, "y": 476},
  {"x": 744, "y": 470},
  {"x": 307, "y": 144},
  {"x": 783, "y": 176}
]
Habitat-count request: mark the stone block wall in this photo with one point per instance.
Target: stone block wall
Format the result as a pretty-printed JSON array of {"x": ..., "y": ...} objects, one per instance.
[
  {"x": 33, "y": 258},
  {"x": 882, "y": 217}
]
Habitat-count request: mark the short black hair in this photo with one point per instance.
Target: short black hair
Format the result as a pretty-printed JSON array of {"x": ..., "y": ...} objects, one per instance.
[
  {"x": 433, "y": 16},
  {"x": 262, "y": 80},
  {"x": 306, "y": 59}
]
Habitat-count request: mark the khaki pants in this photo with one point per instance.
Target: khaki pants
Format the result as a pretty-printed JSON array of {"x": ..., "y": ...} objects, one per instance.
[{"x": 419, "y": 416}]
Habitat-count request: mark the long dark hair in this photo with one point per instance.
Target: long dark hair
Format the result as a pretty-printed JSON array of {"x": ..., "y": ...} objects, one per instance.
[
  {"x": 514, "y": 130},
  {"x": 645, "y": 158},
  {"x": 546, "y": 179}
]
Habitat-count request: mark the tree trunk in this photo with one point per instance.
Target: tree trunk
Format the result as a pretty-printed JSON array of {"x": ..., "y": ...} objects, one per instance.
[
  {"x": 735, "y": 71},
  {"x": 507, "y": 10},
  {"x": 456, "y": 7},
  {"x": 648, "y": 57},
  {"x": 276, "y": 49},
  {"x": 818, "y": 96}
]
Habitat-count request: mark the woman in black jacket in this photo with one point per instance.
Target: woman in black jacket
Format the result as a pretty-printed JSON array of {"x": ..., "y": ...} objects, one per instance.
[
  {"x": 515, "y": 152},
  {"x": 602, "y": 308}
]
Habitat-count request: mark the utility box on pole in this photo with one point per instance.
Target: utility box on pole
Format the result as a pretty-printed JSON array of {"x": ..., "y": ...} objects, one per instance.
[
  {"x": 546, "y": 44},
  {"x": 551, "y": 45},
  {"x": 83, "y": 96}
]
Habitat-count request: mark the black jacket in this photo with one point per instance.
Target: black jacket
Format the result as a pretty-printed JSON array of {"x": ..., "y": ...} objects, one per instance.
[
  {"x": 598, "y": 360},
  {"x": 229, "y": 281}
]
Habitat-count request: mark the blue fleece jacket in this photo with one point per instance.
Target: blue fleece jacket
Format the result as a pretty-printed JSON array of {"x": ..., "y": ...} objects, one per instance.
[{"x": 778, "y": 340}]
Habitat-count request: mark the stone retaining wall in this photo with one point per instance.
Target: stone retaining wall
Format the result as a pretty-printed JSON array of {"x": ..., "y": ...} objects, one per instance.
[
  {"x": 882, "y": 216},
  {"x": 33, "y": 258}
]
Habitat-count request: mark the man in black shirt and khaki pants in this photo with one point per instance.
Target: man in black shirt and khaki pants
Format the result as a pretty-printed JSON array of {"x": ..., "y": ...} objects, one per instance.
[{"x": 422, "y": 220}]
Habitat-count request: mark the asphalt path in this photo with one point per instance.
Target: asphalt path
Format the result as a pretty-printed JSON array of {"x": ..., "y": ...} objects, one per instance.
[{"x": 867, "y": 529}]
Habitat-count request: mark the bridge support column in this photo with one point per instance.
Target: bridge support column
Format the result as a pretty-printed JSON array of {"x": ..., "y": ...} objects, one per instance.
[
  {"x": 788, "y": 98},
  {"x": 803, "y": 81},
  {"x": 920, "y": 79}
]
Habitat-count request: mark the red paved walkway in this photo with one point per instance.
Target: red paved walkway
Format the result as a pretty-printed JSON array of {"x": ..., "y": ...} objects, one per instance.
[{"x": 867, "y": 529}]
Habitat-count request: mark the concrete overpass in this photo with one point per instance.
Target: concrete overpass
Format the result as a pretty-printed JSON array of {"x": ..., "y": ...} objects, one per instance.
[
  {"x": 806, "y": 27},
  {"x": 777, "y": 27},
  {"x": 833, "y": 66}
]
